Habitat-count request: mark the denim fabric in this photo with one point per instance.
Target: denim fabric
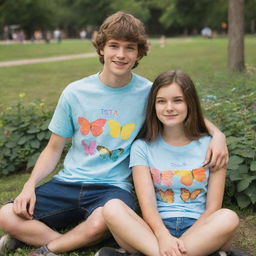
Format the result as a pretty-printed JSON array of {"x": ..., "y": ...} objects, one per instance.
[
  {"x": 60, "y": 204},
  {"x": 179, "y": 225}
]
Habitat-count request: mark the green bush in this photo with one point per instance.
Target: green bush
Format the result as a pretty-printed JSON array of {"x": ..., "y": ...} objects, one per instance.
[
  {"x": 234, "y": 111},
  {"x": 23, "y": 135}
]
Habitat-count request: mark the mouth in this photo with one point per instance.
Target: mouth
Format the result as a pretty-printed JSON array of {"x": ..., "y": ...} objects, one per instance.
[
  {"x": 120, "y": 63},
  {"x": 171, "y": 116}
]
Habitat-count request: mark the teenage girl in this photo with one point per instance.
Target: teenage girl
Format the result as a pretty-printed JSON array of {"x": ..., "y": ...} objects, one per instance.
[{"x": 180, "y": 199}]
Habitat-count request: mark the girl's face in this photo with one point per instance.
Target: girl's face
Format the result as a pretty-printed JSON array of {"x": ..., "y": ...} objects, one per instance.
[{"x": 171, "y": 108}]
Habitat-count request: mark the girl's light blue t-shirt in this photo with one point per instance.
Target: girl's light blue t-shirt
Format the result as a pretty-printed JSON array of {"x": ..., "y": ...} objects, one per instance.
[
  {"x": 102, "y": 122},
  {"x": 179, "y": 179}
]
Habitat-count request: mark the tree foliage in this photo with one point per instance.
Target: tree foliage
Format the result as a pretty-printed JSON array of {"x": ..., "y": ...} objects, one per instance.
[
  {"x": 29, "y": 14},
  {"x": 165, "y": 16}
]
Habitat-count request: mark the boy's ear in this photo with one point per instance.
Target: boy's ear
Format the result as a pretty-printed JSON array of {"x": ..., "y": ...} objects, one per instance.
[{"x": 101, "y": 52}]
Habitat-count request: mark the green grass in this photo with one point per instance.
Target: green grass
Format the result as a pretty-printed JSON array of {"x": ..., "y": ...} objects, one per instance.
[
  {"x": 205, "y": 60},
  {"x": 43, "y": 80},
  {"x": 41, "y": 50}
]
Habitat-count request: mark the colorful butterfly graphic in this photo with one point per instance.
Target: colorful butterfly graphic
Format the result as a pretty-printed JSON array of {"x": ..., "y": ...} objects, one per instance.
[
  {"x": 89, "y": 149},
  {"x": 96, "y": 126},
  {"x": 106, "y": 153},
  {"x": 167, "y": 196},
  {"x": 185, "y": 194},
  {"x": 165, "y": 177},
  {"x": 187, "y": 177},
  {"x": 117, "y": 130}
]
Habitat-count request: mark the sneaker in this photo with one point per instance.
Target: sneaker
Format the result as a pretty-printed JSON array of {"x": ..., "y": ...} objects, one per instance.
[
  {"x": 42, "y": 251},
  {"x": 219, "y": 253},
  {"x": 108, "y": 251},
  {"x": 8, "y": 243},
  {"x": 234, "y": 252},
  {"x": 238, "y": 252}
]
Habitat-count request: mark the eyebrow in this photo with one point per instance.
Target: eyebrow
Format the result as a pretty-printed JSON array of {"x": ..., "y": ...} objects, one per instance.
[
  {"x": 116, "y": 42},
  {"x": 180, "y": 96}
]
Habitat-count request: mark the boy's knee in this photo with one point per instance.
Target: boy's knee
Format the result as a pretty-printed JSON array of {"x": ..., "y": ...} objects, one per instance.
[
  {"x": 112, "y": 209},
  {"x": 6, "y": 221},
  {"x": 98, "y": 226}
]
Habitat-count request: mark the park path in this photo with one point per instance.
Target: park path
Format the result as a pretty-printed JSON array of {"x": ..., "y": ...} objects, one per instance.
[{"x": 48, "y": 59}]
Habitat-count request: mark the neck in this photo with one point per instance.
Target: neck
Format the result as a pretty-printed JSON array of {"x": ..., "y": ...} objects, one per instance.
[
  {"x": 114, "y": 81},
  {"x": 175, "y": 136}
]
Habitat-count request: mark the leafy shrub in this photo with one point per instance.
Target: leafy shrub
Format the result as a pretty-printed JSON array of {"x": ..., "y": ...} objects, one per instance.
[
  {"x": 23, "y": 135},
  {"x": 234, "y": 111}
]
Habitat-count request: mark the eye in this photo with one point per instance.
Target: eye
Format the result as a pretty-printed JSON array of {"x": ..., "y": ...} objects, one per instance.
[
  {"x": 131, "y": 47},
  {"x": 160, "y": 101},
  {"x": 113, "y": 46},
  {"x": 178, "y": 100}
]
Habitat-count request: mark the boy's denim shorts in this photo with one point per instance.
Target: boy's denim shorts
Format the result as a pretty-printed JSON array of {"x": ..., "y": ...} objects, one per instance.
[
  {"x": 61, "y": 204},
  {"x": 178, "y": 225}
]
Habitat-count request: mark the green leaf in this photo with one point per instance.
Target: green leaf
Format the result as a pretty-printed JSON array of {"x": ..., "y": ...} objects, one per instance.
[
  {"x": 35, "y": 144},
  {"x": 232, "y": 140},
  {"x": 243, "y": 168},
  {"x": 45, "y": 125},
  {"x": 33, "y": 130},
  {"x": 235, "y": 176},
  {"x": 251, "y": 192},
  {"x": 243, "y": 200},
  {"x": 7, "y": 152},
  {"x": 234, "y": 162},
  {"x": 47, "y": 135},
  {"x": 40, "y": 135},
  {"x": 243, "y": 184},
  {"x": 22, "y": 140},
  {"x": 248, "y": 154},
  {"x": 10, "y": 144},
  {"x": 244, "y": 152},
  {"x": 253, "y": 166}
]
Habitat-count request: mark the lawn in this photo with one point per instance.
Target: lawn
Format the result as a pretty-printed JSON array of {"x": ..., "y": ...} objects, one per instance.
[
  {"x": 204, "y": 59},
  {"x": 42, "y": 50}
]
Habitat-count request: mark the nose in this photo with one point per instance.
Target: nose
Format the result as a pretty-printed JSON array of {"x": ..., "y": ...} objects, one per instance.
[
  {"x": 120, "y": 52},
  {"x": 169, "y": 106}
]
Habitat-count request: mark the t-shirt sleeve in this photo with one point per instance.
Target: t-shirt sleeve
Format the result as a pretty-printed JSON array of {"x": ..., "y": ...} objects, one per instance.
[
  {"x": 62, "y": 122},
  {"x": 139, "y": 155}
]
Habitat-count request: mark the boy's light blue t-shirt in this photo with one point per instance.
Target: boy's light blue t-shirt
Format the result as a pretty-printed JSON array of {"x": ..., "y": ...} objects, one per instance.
[
  {"x": 179, "y": 179},
  {"x": 102, "y": 122}
]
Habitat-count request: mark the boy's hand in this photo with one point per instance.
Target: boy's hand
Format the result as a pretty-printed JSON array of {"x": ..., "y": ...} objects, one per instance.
[
  {"x": 217, "y": 154},
  {"x": 24, "y": 203}
]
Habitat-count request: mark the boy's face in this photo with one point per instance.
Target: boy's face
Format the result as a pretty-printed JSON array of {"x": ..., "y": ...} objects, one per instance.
[{"x": 119, "y": 57}]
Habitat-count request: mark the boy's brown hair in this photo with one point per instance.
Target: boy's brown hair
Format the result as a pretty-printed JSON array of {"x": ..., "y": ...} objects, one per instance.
[{"x": 122, "y": 26}]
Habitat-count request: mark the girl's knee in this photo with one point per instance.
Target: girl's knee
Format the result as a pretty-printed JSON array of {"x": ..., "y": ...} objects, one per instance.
[{"x": 229, "y": 218}]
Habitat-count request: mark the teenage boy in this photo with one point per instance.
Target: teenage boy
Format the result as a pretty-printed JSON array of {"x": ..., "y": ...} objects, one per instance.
[{"x": 102, "y": 114}]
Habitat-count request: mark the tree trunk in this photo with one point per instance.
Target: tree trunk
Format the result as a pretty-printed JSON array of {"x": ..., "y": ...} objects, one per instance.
[
  {"x": 253, "y": 26},
  {"x": 236, "y": 35}
]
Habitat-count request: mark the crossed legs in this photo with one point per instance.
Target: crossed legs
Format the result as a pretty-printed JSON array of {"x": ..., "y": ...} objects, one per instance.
[
  {"x": 132, "y": 233},
  {"x": 36, "y": 233}
]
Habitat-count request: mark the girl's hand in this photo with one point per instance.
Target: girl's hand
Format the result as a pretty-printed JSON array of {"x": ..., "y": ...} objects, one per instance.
[
  {"x": 171, "y": 246},
  {"x": 217, "y": 154}
]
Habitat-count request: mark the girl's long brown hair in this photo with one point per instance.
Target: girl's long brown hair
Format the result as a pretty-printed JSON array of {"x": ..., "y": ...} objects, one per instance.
[{"x": 194, "y": 125}]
